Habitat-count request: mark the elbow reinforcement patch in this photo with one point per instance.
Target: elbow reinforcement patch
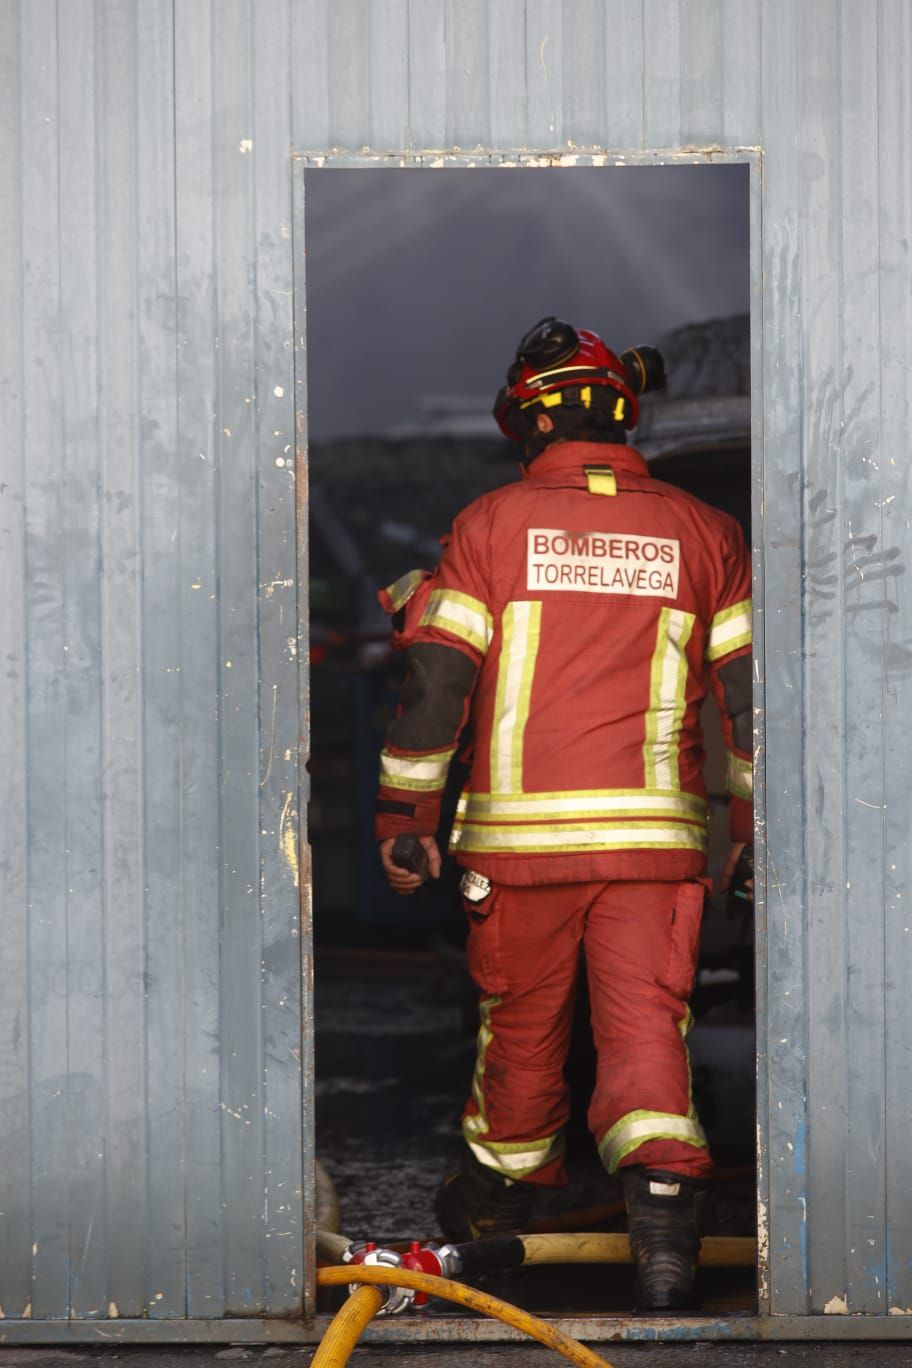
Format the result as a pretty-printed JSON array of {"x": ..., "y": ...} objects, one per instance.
[
  {"x": 439, "y": 681},
  {"x": 736, "y": 678}
]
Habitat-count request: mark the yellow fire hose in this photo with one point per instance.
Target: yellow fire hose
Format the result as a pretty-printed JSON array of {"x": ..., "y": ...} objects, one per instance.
[
  {"x": 342, "y": 1336},
  {"x": 471, "y": 1297},
  {"x": 716, "y": 1251},
  {"x": 364, "y": 1303}
]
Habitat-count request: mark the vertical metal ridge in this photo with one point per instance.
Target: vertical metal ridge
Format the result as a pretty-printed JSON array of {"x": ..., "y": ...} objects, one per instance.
[
  {"x": 824, "y": 614},
  {"x": 662, "y": 73},
  {"x": 702, "y": 72},
  {"x": 869, "y": 600},
  {"x": 120, "y": 632},
  {"x": 893, "y": 234},
  {"x": 83, "y": 666},
  {"x": 387, "y": 39},
  {"x": 310, "y": 115},
  {"x": 15, "y": 970},
  {"x": 241, "y": 942},
  {"x": 740, "y": 94},
  {"x": 45, "y": 628},
  {"x": 198, "y": 588},
  {"x": 427, "y": 67},
  {"x": 783, "y": 457},
  {"x": 583, "y": 72},
  {"x": 506, "y": 84},
  {"x": 467, "y": 90},
  {"x": 348, "y": 69},
  {"x": 277, "y": 777},
  {"x": 160, "y": 495},
  {"x": 624, "y": 88},
  {"x": 544, "y": 74}
]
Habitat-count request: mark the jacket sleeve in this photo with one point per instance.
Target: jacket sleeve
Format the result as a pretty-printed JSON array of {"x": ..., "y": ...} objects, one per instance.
[
  {"x": 447, "y": 630},
  {"x": 728, "y": 655}
]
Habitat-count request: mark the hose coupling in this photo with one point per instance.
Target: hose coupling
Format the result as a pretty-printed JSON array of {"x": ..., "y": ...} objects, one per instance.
[
  {"x": 441, "y": 1261},
  {"x": 450, "y": 1260},
  {"x": 366, "y": 1252}
]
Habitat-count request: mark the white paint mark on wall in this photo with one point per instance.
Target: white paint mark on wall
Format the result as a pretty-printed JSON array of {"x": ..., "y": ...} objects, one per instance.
[
  {"x": 836, "y": 1306},
  {"x": 278, "y": 391},
  {"x": 113, "y": 1311},
  {"x": 245, "y": 146}
]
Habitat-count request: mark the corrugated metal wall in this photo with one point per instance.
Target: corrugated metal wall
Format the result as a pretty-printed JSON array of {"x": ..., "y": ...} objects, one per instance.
[
  {"x": 150, "y": 1087},
  {"x": 149, "y": 1006}
]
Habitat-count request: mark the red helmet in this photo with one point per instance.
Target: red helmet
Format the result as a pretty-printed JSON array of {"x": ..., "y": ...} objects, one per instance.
[{"x": 557, "y": 364}]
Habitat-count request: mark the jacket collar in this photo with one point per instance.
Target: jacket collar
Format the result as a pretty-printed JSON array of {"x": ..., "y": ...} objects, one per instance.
[{"x": 566, "y": 458}]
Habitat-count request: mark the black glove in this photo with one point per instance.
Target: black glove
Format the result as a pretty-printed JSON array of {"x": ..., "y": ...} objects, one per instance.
[
  {"x": 741, "y": 889},
  {"x": 410, "y": 854}
]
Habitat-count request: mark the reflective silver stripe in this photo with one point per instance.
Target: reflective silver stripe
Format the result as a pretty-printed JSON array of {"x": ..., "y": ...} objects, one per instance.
[
  {"x": 570, "y": 836},
  {"x": 422, "y": 772},
  {"x": 516, "y": 1160},
  {"x": 740, "y": 777},
  {"x": 449, "y": 610},
  {"x": 730, "y": 630},
  {"x": 634, "y": 1130},
  {"x": 533, "y": 807}
]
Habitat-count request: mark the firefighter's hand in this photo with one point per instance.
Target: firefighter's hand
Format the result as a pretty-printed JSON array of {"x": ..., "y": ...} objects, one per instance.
[
  {"x": 403, "y": 880},
  {"x": 731, "y": 864}
]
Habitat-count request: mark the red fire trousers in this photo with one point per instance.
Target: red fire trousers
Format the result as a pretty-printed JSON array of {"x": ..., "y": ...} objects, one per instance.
[{"x": 641, "y": 943}]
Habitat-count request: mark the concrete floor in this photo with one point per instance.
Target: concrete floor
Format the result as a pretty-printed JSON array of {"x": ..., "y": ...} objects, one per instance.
[{"x": 699, "y": 1355}]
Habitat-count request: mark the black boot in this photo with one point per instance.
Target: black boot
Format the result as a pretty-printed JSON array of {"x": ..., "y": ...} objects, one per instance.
[
  {"x": 475, "y": 1202},
  {"x": 662, "y": 1218}
]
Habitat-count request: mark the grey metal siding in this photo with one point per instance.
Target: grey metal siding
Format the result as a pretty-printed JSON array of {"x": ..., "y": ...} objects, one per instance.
[
  {"x": 822, "y": 86},
  {"x": 150, "y": 1089},
  {"x": 149, "y": 992}
]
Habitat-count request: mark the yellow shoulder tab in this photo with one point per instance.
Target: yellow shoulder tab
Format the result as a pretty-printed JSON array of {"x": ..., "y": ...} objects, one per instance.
[{"x": 600, "y": 480}]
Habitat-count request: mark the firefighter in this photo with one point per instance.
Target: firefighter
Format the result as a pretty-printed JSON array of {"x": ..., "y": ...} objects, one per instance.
[{"x": 578, "y": 618}]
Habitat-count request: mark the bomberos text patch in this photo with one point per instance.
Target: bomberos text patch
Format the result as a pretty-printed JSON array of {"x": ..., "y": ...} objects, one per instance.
[{"x": 603, "y": 562}]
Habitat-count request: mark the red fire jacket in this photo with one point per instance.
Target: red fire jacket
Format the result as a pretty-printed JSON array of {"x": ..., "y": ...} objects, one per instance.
[{"x": 581, "y": 616}]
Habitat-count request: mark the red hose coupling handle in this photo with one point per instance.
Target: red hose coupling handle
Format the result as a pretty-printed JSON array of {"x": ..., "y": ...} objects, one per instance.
[{"x": 422, "y": 1259}]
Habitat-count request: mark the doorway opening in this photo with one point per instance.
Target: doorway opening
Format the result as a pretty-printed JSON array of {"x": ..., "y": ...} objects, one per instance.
[{"x": 419, "y": 283}]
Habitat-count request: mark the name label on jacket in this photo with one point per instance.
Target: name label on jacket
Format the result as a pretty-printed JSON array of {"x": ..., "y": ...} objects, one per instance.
[{"x": 603, "y": 563}]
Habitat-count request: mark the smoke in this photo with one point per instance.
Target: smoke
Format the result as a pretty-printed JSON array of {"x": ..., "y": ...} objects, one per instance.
[{"x": 421, "y": 282}]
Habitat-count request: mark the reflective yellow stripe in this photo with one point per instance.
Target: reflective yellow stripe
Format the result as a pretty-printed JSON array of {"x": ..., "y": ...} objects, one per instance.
[
  {"x": 516, "y": 667},
  {"x": 422, "y": 772},
  {"x": 730, "y": 630},
  {"x": 667, "y": 698},
  {"x": 512, "y": 1158},
  {"x": 740, "y": 777},
  {"x": 464, "y": 616},
  {"x": 580, "y": 836},
  {"x": 637, "y": 1127},
  {"x": 402, "y": 589},
  {"x": 478, "y": 1125},
  {"x": 536, "y": 807}
]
